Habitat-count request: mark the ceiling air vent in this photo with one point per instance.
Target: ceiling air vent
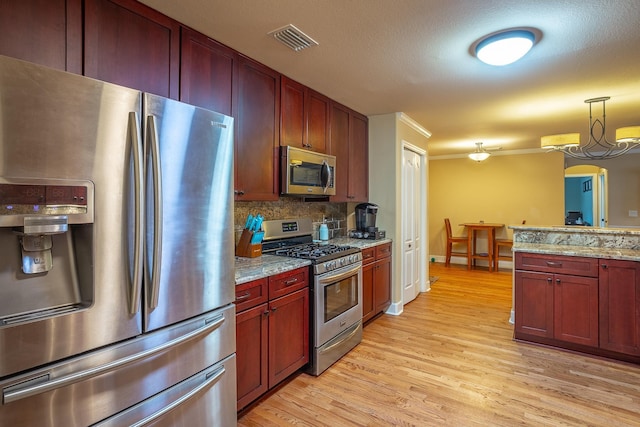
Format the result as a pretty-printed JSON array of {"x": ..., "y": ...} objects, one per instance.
[{"x": 293, "y": 37}]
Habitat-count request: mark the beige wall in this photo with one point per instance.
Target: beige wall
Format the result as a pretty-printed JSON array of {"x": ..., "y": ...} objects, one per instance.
[
  {"x": 504, "y": 189},
  {"x": 623, "y": 189}
]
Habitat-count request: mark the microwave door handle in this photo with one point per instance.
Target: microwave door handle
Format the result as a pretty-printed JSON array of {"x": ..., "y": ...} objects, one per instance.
[
  {"x": 153, "y": 145},
  {"x": 210, "y": 379},
  {"x": 325, "y": 176},
  {"x": 138, "y": 212}
]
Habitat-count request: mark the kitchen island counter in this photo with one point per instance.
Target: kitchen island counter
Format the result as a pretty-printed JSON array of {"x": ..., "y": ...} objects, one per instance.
[{"x": 591, "y": 242}]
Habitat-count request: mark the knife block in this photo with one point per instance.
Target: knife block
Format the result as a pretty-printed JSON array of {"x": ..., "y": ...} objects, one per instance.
[{"x": 245, "y": 248}]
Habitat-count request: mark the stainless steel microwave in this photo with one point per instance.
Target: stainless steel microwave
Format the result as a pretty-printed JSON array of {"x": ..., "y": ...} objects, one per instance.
[{"x": 307, "y": 173}]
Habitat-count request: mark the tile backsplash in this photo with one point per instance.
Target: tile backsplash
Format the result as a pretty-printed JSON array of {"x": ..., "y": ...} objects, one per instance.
[{"x": 292, "y": 207}]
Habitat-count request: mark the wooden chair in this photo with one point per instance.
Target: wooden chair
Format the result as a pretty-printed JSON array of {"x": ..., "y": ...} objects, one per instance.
[
  {"x": 503, "y": 243},
  {"x": 454, "y": 240}
]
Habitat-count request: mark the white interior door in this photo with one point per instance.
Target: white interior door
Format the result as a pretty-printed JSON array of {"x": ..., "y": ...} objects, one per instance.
[{"x": 411, "y": 224}]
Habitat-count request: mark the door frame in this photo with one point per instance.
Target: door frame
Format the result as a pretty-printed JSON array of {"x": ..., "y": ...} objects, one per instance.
[{"x": 423, "y": 283}]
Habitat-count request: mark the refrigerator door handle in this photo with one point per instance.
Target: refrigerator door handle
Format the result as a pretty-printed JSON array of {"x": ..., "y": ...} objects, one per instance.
[
  {"x": 153, "y": 145},
  {"x": 211, "y": 378},
  {"x": 138, "y": 250},
  {"x": 36, "y": 385}
]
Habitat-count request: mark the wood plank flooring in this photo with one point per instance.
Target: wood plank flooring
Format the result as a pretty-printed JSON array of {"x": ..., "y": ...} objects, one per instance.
[{"x": 450, "y": 360}]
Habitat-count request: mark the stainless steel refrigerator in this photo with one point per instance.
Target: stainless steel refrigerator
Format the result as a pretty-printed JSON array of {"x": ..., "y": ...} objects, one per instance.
[{"x": 116, "y": 255}]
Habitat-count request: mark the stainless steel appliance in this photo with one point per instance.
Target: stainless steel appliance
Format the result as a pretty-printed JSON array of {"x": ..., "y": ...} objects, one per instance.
[
  {"x": 307, "y": 173},
  {"x": 336, "y": 319},
  {"x": 116, "y": 255}
]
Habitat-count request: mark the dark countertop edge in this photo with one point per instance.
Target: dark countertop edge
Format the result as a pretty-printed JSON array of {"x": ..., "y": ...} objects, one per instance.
[
  {"x": 583, "y": 251},
  {"x": 576, "y": 229},
  {"x": 249, "y": 269}
]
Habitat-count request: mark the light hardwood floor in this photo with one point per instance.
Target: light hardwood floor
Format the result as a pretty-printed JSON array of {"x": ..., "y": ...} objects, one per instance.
[{"x": 450, "y": 360}]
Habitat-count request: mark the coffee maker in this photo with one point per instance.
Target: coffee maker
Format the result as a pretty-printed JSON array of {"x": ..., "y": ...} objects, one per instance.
[{"x": 366, "y": 214}]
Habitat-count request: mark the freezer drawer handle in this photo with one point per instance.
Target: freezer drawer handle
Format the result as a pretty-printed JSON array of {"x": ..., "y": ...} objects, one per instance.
[
  {"x": 212, "y": 378},
  {"x": 23, "y": 390}
]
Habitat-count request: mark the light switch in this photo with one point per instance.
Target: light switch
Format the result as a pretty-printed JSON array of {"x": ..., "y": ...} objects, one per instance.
[{"x": 633, "y": 214}]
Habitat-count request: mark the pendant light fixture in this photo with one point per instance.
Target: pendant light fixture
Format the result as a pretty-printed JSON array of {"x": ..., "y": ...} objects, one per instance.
[
  {"x": 480, "y": 154},
  {"x": 597, "y": 147},
  {"x": 505, "y": 47}
]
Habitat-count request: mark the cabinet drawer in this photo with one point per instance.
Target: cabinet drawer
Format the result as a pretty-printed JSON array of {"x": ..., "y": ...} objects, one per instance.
[
  {"x": 368, "y": 255},
  {"x": 251, "y": 294},
  {"x": 285, "y": 283},
  {"x": 383, "y": 250},
  {"x": 577, "y": 266}
]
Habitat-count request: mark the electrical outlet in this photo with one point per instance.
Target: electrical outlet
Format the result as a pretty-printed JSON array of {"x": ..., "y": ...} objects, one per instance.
[{"x": 633, "y": 214}]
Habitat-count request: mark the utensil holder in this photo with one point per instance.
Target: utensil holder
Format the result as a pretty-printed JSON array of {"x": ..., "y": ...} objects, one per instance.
[{"x": 245, "y": 248}]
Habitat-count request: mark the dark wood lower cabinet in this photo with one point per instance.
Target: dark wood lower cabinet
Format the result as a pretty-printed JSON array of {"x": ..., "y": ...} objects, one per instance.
[
  {"x": 376, "y": 280},
  {"x": 620, "y": 306},
  {"x": 596, "y": 309},
  {"x": 272, "y": 332}
]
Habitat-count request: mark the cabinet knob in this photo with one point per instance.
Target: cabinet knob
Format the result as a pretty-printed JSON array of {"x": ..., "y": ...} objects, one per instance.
[
  {"x": 549, "y": 280},
  {"x": 266, "y": 312},
  {"x": 238, "y": 193},
  {"x": 558, "y": 281},
  {"x": 605, "y": 266}
]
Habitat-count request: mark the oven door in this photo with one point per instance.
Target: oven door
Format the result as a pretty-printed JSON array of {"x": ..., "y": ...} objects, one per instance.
[{"x": 337, "y": 302}]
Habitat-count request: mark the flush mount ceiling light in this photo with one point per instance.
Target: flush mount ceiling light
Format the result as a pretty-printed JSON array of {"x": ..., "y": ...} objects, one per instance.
[
  {"x": 293, "y": 37},
  {"x": 505, "y": 47},
  {"x": 480, "y": 154},
  {"x": 597, "y": 147}
]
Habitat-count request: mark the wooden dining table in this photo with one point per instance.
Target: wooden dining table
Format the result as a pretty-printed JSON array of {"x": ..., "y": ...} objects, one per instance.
[{"x": 472, "y": 231}]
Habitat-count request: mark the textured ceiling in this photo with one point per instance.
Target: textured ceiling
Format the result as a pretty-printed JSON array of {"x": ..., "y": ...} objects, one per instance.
[{"x": 413, "y": 56}]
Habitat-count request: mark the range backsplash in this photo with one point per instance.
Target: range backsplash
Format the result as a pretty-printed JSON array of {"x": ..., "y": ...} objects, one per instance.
[{"x": 291, "y": 207}]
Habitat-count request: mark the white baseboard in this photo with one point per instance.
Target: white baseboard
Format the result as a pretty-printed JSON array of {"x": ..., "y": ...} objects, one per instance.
[
  {"x": 395, "y": 309},
  {"x": 463, "y": 261}
]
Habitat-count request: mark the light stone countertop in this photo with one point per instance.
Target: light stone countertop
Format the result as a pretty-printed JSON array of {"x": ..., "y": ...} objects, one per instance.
[
  {"x": 583, "y": 251},
  {"x": 248, "y": 269},
  {"x": 590, "y": 242}
]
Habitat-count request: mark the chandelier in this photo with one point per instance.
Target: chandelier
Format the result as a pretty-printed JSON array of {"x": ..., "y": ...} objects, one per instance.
[{"x": 597, "y": 147}]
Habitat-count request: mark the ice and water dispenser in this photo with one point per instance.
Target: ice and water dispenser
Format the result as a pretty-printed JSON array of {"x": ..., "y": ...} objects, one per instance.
[{"x": 46, "y": 246}]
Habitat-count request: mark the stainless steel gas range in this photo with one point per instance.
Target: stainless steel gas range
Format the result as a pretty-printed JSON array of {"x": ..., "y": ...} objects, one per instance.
[{"x": 336, "y": 302}]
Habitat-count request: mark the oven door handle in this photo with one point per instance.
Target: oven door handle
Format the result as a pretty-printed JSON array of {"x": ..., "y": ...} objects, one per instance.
[{"x": 339, "y": 275}]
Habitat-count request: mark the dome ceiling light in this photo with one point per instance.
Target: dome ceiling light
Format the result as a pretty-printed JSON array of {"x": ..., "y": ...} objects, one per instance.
[
  {"x": 505, "y": 47},
  {"x": 597, "y": 147},
  {"x": 480, "y": 154}
]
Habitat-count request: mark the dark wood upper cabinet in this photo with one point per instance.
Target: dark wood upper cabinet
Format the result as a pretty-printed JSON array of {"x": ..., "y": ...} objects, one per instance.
[
  {"x": 257, "y": 111},
  {"x": 130, "y": 44},
  {"x": 207, "y": 72},
  {"x": 46, "y": 32},
  {"x": 349, "y": 143},
  {"x": 304, "y": 117},
  {"x": 358, "y": 158}
]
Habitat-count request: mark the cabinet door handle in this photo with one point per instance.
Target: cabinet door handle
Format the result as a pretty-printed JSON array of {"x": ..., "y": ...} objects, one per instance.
[
  {"x": 291, "y": 282},
  {"x": 554, "y": 264},
  {"x": 243, "y": 297}
]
